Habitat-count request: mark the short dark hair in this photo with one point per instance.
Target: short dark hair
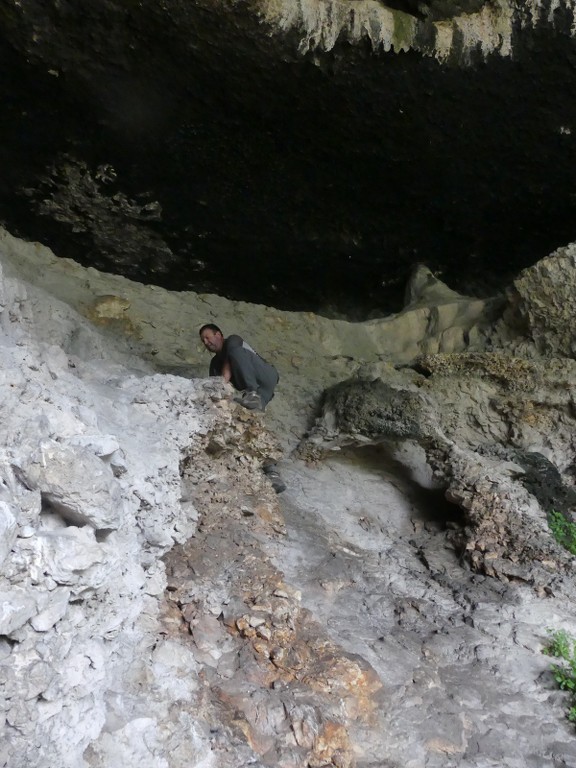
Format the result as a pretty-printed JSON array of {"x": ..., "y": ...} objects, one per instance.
[{"x": 210, "y": 327}]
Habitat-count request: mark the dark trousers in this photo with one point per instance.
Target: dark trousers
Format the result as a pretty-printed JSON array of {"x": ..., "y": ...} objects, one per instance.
[{"x": 251, "y": 372}]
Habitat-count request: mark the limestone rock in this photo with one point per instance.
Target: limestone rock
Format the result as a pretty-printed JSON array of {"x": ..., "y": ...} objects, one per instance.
[
  {"x": 103, "y": 446},
  {"x": 388, "y": 609},
  {"x": 543, "y": 303},
  {"x": 16, "y": 607},
  {"x": 52, "y": 607},
  {"x": 425, "y": 288},
  {"x": 372, "y": 410},
  {"x": 484, "y": 423},
  {"x": 70, "y": 556},
  {"x": 8, "y": 531},
  {"x": 75, "y": 483}
]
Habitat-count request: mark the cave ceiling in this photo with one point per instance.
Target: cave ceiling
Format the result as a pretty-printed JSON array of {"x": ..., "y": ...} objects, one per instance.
[{"x": 298, "y": 153}]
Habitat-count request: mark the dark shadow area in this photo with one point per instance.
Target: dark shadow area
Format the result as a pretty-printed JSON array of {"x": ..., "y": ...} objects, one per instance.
[
  {"x": 189, "y": 148},
  {"x": 541, "y": 478},
  {"x": 429, "y": 504}
]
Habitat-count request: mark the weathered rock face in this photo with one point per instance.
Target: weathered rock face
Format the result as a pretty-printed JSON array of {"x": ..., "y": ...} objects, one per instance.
[
  {"x": 162, "y": 607},
  {"x": 495, "y": 429},
  {"x": 85, "y": 519},
  {"x": 303, "y": 154},
  {"x": 542, "y": 303}
]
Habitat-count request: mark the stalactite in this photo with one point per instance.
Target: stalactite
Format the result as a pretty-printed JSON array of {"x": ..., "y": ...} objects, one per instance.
[{"x": 321, "y": 23}]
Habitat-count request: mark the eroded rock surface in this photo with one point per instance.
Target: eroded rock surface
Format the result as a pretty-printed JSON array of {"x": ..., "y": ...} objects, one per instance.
[
  {"x": 542, "y": 303},
  {"x": 497, "y": 434},
  {"x": 162, "y": 607}
]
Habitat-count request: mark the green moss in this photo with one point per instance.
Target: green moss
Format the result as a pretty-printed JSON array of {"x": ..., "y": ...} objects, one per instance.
[
  {"x": 563, "y": 646},
  {"x": 563, "y": 530}
]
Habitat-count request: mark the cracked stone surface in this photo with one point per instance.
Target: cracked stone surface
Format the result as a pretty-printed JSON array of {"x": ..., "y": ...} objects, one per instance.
[{"x": 388, "y": 610}]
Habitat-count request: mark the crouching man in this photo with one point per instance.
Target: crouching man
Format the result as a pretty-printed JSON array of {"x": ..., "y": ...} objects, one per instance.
[{"x": 238, "y": 363}]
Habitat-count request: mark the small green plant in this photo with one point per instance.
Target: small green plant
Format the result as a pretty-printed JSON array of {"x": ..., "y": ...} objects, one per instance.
[
  {"x": 563, "y": 530},
  {"x": 563, "y": 646}
]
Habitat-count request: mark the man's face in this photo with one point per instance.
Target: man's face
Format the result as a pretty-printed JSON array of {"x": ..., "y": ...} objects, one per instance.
[{"x": 212, "y": 340}]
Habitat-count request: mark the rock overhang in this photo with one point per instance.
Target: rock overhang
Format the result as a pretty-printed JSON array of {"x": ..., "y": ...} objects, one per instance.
[{"x": 218, "y": 148}]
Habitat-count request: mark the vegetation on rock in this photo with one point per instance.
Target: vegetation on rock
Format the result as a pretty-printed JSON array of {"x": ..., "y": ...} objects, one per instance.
[
  {"x": 563, "y": 530},
  {"x": 563, "y": 646}
]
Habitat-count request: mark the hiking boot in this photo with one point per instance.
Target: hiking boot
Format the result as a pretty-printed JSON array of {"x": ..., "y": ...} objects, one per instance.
[
  {"x": 250, "y": 400},
  {"x": 274, "y": 476}
]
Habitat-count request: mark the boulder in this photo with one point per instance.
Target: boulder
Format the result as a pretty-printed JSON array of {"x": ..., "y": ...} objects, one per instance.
[{"x": 76, "y": 483}]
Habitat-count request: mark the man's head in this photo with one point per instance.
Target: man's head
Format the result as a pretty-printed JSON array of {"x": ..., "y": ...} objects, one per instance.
[{"x": 212, "y": 337}]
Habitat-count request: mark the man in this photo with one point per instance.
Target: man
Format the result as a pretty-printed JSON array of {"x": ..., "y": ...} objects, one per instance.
[{"x": 238, "y": 363}]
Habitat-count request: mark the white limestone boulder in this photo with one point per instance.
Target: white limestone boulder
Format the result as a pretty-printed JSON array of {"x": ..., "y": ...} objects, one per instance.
[
  {"x": 8, "y": 531},
  {"x": 17, "y": 605},
  {"x": 53, "y": 606},
  {"x": 100, "y": 445},
  {"x": 76, "y": 483},
  {"x": 175, "y": 670},
  {"x": 71, "y": 556}
]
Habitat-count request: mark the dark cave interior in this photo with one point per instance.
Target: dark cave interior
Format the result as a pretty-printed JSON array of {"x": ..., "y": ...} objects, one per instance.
[{"x": 196, "y": 151}]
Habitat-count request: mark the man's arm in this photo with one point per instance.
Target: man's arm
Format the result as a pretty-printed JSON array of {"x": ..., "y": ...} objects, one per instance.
[
  {"x": 232, "y": 342},
  {"x": 219, "y": 366},
  {"x": 226, "y": 372}
]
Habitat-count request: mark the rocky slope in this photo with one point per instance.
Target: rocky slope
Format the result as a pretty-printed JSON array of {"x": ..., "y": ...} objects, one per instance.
[{"x": 161, "y": 606}]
